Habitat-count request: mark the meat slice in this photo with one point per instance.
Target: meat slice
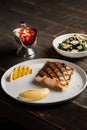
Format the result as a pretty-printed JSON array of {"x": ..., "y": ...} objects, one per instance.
[{"x": 55, "y": 75}]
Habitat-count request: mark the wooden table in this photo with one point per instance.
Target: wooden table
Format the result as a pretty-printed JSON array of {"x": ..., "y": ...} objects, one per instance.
[{"x": 51, "y": 18}]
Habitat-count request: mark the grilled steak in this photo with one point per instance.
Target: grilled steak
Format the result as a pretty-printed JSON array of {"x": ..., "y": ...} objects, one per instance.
[{"x": 55, "y": 75}]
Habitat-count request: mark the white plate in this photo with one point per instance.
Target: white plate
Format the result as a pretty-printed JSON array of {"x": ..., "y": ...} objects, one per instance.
[
  {"x": 60, "y": 39},
  {"x": 76, "y": 86}
]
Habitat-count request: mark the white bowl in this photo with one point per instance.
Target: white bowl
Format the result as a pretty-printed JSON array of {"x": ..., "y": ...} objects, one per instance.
[{"x": 60, "y": 39}]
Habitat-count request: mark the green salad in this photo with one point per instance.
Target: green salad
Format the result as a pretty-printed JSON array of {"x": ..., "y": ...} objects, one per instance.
[{"x": 76, "y": 43}]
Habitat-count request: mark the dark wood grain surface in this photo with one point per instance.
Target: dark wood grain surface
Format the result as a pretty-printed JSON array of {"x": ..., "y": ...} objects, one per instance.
[{"x": 51, "y": 18}]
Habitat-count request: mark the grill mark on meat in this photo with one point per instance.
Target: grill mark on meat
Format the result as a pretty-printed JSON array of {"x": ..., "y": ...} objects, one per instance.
[
  {"x": 66, "y": 70},
  {"x": 42, "y": 73},
  {"x": 46, "y": 71},
  {"x": 50, "y": 72},
  {"x": 62, "y": 68},
  {"x": 56, "y": 70},
  {"x": 60, "y": 74}
]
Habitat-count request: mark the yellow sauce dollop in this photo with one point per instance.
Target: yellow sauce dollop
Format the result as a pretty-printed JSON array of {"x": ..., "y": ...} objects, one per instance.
[{"x": 34, "y": 94}]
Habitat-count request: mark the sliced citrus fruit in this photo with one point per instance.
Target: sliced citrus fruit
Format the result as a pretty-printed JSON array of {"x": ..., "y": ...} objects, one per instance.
[{"x": 20, "y": 71}]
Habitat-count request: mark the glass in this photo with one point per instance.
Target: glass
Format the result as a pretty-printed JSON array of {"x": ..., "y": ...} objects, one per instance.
[{"x": 27, "y": 38}]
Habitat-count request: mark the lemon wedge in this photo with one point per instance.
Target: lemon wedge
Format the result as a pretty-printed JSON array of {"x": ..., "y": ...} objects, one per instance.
[
  {"x": 34, "y": 94},
  {"x": 19, "y": 72}
]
